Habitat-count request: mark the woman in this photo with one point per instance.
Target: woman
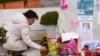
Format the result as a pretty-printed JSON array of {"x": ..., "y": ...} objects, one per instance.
[{"x": 18, "y": 38}]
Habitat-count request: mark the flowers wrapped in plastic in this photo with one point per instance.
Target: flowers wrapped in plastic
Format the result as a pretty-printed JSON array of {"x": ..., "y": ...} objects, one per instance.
[
  {"x": 68, "y": 47},
  {"x": 53, "y": 47}
]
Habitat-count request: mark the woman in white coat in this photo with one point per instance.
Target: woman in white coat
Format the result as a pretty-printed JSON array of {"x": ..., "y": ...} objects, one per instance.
[{"x": 17, "y": 37}]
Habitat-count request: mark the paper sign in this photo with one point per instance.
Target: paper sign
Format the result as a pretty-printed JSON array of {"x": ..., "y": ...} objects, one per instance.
[
  {"x": 85, "y": 9},
  {"x": 85, "y": 17},
  {"x": 86, "y": 35},
  {"x": 98, "y": 17},
  {"x": 69, "y": 36},
  {"x": 86, "y": 30}
]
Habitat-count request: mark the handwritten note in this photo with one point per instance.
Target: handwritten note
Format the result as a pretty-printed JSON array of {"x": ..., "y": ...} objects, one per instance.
[{"x": 69, "y": 36}]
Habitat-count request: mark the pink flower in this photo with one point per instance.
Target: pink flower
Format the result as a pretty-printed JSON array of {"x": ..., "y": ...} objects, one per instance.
[{"x": 59, "y": 39}]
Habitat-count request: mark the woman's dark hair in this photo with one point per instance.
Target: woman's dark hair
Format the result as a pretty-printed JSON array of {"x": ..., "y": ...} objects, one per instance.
[{"x": 30, "y": 14}]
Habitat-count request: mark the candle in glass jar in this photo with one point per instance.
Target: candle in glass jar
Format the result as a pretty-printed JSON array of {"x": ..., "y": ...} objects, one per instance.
[
  {"x": 93, "y": 53},
  {"x": 78, "y": 54},
  {"x": 87, "y": 53},
  {"x": 86, "y": 48}
]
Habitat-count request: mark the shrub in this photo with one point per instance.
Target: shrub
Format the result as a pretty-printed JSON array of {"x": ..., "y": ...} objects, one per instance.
[
  {"x": 49, "y": 18},
  {"x": 4, "y": 1}
]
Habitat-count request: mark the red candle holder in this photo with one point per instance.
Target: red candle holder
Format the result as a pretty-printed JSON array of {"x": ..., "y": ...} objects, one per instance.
[
  {"x": 97, "y": 53},
  {"x": 86, "y": 48},
  {"x": 78, "y": 54},
  {"x": 88, "y": 53},
  {"x": 93, "y": 53}
]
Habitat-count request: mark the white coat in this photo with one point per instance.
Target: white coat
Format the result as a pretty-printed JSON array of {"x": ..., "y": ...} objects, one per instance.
[{"x": 18, "y": 37}]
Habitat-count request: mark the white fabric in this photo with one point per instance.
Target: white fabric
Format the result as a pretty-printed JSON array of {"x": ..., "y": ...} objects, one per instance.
[{"x": 17, "y": 31}]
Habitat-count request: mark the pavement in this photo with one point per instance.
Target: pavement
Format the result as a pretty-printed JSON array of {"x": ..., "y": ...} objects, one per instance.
[{"x": 29, "y": 52}]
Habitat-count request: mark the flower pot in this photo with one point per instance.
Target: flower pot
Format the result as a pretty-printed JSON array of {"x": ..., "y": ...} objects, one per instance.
[
  {"x": 17, "y": 4},
  {"x": 33, "y": 3},
  {"x": 1, "y": 6}
]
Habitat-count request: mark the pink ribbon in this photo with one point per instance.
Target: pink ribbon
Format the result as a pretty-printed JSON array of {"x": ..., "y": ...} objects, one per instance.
[{"x": 63, "y": 4}]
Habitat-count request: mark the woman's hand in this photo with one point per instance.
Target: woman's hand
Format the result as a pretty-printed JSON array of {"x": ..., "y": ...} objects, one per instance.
[{"x": 43, "y": 49}]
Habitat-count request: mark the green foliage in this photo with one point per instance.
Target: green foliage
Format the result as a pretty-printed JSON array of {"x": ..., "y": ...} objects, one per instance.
[
  {"x": 49, "y": 18},
  {"x": 12, "y": 0},
  {"x": 2, "y": 34},
  {"x": 4, "y": 1}
]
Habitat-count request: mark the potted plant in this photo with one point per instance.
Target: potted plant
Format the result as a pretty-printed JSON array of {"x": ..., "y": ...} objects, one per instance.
[{"x": 49, "y": 22}]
